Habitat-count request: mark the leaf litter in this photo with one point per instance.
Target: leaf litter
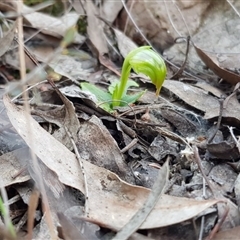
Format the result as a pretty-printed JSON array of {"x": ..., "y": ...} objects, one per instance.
[{"x": 90, "y": 162}]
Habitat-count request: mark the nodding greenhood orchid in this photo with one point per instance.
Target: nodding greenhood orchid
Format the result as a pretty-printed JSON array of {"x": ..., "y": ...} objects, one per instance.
[{"x": 141, "y": 60}]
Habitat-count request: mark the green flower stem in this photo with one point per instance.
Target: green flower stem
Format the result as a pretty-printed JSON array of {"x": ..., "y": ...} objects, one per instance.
[
  {"x": 141, "y": 60},
  {"x": 121, "y": 87}
]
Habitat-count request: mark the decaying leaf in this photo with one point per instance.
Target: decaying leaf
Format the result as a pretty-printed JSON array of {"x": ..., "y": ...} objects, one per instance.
[
  {"x": 51, "y": 25},
  {"x": 160, "y": 148},
  {"x": 230, "y": 234},
  {"x": 95, "y": 29},
  {"x": 211, "y": 60},
  {"x": 137, "y": 220},
  {"x": 112, "y": 202},
  {"x": 110, "y": 9},
  {"x": 6, "y": 40},
  {"x": 125, "y": 44},
  {"x": 75, "y": 68},
  {"x": 191, "y": 95},
  {"x": 12, "y": 168},
  {"x": 64, "y": 117},
  {"x": 96, "y": 145},
  {"x": 231, "y": 109}
]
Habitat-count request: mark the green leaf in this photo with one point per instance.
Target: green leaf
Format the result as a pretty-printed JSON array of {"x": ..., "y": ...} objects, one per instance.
[
  {"x": 130, "y": 83},
  {"x": 104, "y": 99},
  {"x": 68, "y": 36},
  {"x": 141, "y": 60},
  {"x": 131, "y": 98}
]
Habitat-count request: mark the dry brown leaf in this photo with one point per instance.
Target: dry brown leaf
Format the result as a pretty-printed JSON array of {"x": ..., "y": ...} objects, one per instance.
[
  {"x": 74, "y": 68},
  {"x": 95, "y": 144},
  {"x": 161, "y": 22},
  {"x": 11, "y": 168},
  {"x": 110, "y": 9},
  {"x": 211, "y": 60},
  {"x": 230, "y": 234},
  {"x": 138, "y": 219},
  {"x": 211, "y": 89},
  {"x": 64, "y": 117},
  {"x": 53, "y": 26},
  {"x": 78, "y": 6},
  {"x": 193, "y": 96},
  {"x": 231, "y": 109},
  {"x": 201, "y": 100},
  {"x": 112, "y": 202},
  {"x": 95, "y": 29},
  {"x": 7, "y": 6},
  {"x": 125, "y": 44},
  {"x": 6, "y": 40}
]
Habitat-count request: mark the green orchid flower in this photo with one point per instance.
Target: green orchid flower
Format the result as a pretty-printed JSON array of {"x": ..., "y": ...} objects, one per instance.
[{"x": 141, "y": 60}]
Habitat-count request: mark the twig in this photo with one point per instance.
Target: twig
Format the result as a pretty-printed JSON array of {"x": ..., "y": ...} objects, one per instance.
[
  {"x": 219, "y": 120},
  {"x": 181, "y": 69},
  {"x": 130, "y": 145},
  {"x": 231, "y": 95},
  {"x": 32, "y": 206},
  {"x": 82, "y": 170},
  {"x": 203, "y": 217},
  {"x": 234, "y": 138},
  {"x": 198, "y": 161},
  {"x": 233, "y": 7},
  {"x": 170, "y": 19},
  {"x": 27, "y": 89},
  {"x": 218, "y": 225},
  {"x": 34, "y": 9},
  {"x": 183, "y": 18},
  {"x": 137, "y": 220}
]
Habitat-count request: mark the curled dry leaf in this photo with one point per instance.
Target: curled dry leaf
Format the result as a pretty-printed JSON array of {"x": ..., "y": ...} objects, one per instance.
[
  {"x": 214, "y": 63},
  {"x": 64, "y": 117},
  {"x": 112, "y": 202}
]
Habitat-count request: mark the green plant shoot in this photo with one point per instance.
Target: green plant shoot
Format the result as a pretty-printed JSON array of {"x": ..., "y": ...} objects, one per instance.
[
  {"x": 8, "y": 223},
  {"x": 141, "y": 60}
]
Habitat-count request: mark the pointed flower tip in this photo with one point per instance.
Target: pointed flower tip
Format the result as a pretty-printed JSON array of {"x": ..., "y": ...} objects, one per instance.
[{"x": 147, "y": 61}]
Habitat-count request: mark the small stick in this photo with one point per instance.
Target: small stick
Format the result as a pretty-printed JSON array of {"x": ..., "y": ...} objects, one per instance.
[
  {"x": 181, "y": 69},
  {"x": 218, "y": 225},
  {"x": 219, "y": 120},
  {"x": 82, "y": 169},
  {"x": 234, "y": 138},
  {"x": 130, "y": 145},
  {"x": 198, "y": 161}
]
